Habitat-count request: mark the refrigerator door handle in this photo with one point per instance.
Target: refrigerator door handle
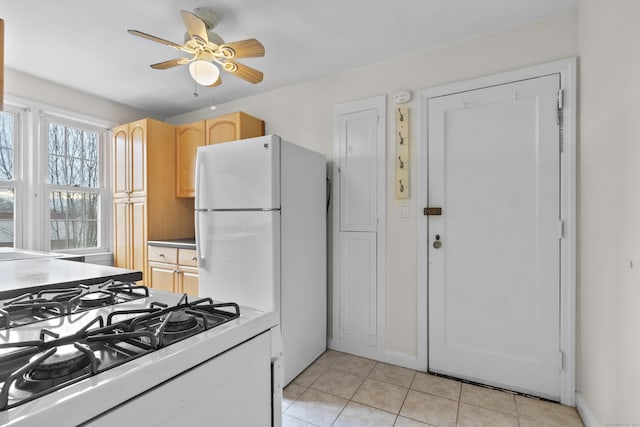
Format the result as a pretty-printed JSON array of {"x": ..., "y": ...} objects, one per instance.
[
  {"x": 200, "y": 253},
  {"x": 200, "y": 165},
  {"x": 200, "y": 249}
]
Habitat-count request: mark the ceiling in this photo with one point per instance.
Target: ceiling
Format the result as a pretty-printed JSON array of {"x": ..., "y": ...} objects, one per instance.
[{"x": 85, "y": 45}]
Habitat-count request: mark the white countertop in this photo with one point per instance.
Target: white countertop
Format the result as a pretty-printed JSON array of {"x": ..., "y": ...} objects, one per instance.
[{"x": 31, "y": 275}]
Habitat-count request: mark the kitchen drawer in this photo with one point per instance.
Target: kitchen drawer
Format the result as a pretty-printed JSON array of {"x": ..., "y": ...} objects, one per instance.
[
  {"x": 187, "y": 257},
  {"x": 163, "y": 254}
]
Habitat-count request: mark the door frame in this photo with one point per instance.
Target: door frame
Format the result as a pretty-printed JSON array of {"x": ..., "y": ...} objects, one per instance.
[
  {"x": 378, "y": 103},
  {"x": 566, "y": 68}
]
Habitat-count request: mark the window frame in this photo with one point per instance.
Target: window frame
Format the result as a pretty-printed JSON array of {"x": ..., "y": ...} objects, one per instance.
[
  {"x": 104, "y": 184},
  {"x": 17, "y": 184}
]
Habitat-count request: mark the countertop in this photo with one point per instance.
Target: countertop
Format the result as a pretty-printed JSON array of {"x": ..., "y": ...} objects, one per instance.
[
  {"x": 32, "y": 275},
  {"x": 13, "y": 254},
  {"x": 188, "y": 243}
]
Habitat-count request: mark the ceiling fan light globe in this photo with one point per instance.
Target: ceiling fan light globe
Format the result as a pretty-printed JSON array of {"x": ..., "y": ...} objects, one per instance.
[{"x": 204, "y": 73}]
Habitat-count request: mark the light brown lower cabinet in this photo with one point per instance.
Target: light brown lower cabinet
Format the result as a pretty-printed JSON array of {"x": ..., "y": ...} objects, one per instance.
[{"x": 173, "y": 270}]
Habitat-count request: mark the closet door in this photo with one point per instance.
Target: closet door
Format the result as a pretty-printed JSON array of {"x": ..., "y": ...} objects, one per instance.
[{"x": 358, "y": 221}]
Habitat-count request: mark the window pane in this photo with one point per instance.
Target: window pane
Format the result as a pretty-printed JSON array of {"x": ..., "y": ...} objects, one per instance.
[
  {"x": 56, "y": 139},
  {"x": 7, "y": 124},
  {"x": 74, "y": 220},
  {"x": 7, "y": 223},
  {"x": 73, "y": 157}
]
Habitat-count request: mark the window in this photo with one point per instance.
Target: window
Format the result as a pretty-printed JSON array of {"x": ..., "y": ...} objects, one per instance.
[
  {"x": 9, "y": 147},
  {"x": 75, "y": 187},
  {"x": 53, "y": 179}
]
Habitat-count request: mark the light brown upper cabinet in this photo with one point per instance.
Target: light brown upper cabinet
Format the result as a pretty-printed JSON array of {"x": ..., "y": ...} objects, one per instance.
[
  {"x": 129, "y": 154},
  {"x": 145, "y": 206},
  {"x": 189, "y": 137}
]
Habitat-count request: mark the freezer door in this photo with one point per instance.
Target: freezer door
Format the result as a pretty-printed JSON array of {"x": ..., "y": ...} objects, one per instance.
[
  {"x": 239, "y": 257},
  {"x": 239, "y": 175}
]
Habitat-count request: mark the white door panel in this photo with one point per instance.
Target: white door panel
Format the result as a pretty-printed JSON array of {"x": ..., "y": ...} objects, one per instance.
[
  {"x": 239, "y": 175},
  {"x": 239, "y": 257},
  {"x": 358, "y": 171},
  {"x": 358, "y": 301},
  {"x": 494, "y": 168}
]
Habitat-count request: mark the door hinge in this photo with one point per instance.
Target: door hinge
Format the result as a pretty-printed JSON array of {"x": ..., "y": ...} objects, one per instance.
[
  {"x": 560, "y": 117},
  {"x": 561, "y": 229},
  {"x": 561, "y": 360},
  {"x": 560, "y": 99}
]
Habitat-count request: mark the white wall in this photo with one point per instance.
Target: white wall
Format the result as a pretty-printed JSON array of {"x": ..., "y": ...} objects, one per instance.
[
  {"x": 26, "y": 86},
  {"x": 608, "y": 342},
  {"x": 302, "y": 114}
]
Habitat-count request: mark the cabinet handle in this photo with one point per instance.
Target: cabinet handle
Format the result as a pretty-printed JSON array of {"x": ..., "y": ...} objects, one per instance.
[
  {"x": 193, "y": 258},
  {"x": 161, "y": 255}
]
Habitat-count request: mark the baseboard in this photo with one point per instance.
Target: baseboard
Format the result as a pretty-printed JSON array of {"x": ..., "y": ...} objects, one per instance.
[
  {"x": 587, "y": 416},
  {"x": 401, "y": 359}
]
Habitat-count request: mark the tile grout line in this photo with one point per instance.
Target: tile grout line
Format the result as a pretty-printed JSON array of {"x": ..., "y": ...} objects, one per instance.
[{"x": 459, "y": 402}]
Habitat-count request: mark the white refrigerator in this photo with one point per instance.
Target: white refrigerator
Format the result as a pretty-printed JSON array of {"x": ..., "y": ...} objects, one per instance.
[{"x": 260, "y": 213}]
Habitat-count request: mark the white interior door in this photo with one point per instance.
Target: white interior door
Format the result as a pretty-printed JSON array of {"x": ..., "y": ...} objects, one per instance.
[
  {"x": 494, "y": 252},
  {"x": 358, "y": 228}
]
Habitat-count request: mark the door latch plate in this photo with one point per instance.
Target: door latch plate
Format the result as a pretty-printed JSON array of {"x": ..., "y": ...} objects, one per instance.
[{"x": 432, "y": 211}]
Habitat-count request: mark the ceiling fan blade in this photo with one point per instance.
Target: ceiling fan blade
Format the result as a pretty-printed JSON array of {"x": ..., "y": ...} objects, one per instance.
[
  {"x": 244, "y": 72},
  {"x": 217, "y": 82},
  {"x": 171, "y": 63},
  {"x": 156, "y": 39},
  {"x": 250, "y": 48},
  {"x": 195, "y": 26}
]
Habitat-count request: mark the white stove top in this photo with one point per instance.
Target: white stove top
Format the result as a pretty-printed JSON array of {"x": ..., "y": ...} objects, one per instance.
[{"x": 81, "y": 401}]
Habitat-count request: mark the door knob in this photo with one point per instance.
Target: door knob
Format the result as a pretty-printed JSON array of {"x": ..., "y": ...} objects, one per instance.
[{"x": 437, "y": 243}]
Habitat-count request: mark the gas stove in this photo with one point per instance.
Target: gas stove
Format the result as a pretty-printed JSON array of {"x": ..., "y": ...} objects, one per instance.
[
  {"x": 72, "y": 348},
  {"x": 65, "y": 350}
]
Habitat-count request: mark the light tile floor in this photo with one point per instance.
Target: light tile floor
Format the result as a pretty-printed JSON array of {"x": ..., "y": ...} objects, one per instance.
[{"x": 340, "y": 389}]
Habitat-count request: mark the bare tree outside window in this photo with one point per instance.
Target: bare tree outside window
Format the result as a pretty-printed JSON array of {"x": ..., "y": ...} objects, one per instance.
[
  {"x": 7, "y": 193},
  {"x": 75, "y": 202}
]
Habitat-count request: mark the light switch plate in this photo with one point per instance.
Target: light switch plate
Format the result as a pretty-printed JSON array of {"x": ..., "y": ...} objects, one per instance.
[{"x": 404, "y": 210}]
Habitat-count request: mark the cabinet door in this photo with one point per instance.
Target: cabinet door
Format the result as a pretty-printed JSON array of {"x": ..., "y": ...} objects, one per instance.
[
  {"x": 188, "y": 138},
  {"x": 138, "y": 158},
  {"x": 162, "y": 277},
  {"x": 138, "y": 235},
  {"x": 222, "y": 129},
  {"x": 121, "y": 233},
  {"x": 120, "y": 161},
  {"x": 189, "y": 280}
]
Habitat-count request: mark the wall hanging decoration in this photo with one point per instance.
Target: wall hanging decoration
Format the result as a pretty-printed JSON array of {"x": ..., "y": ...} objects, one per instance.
[{"x": 402, "y": 153}]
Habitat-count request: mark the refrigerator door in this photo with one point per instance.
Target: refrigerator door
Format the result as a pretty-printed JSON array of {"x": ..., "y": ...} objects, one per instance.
[
  {"x": 239, "y": 257},
  {"x": 239, "y": 175}
]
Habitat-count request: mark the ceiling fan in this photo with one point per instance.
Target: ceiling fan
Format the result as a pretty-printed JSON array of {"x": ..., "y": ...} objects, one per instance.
[{"x": 207, "y": 49}]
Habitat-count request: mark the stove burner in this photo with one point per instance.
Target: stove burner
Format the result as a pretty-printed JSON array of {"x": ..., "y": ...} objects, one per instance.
[
  {"x": 181, "y": 322},
  {"x": 66, "y": 363},
  {"x": 97, "y": 299}
]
